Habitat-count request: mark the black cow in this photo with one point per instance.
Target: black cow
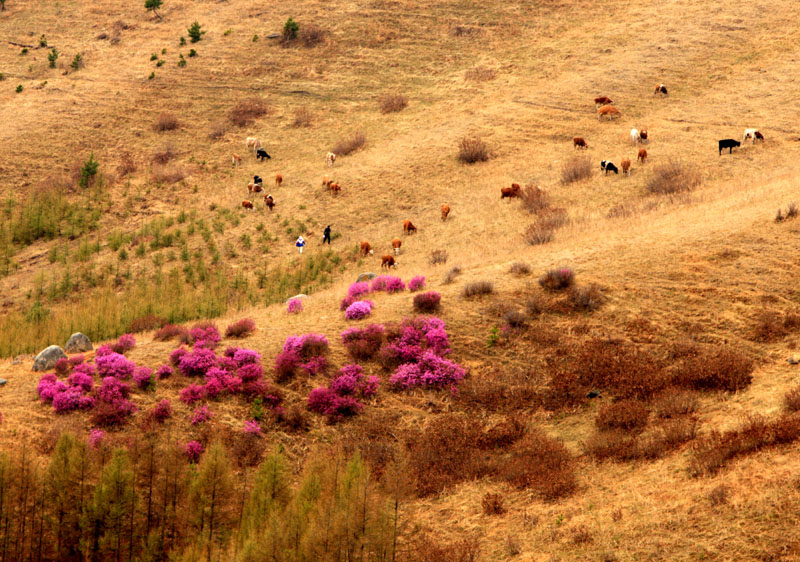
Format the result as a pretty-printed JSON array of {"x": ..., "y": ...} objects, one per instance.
[
  {"x": 257, "y": 180},
  {"x": 608, "y": 166},
  {"x": 730, "y": 144},
  {"x": 262, "y": 155}
]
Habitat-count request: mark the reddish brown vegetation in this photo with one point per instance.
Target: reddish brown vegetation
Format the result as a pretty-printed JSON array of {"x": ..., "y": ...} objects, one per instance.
[
  {"x": 541, "y": 464},
  {"x": 625, "y": 415},
  {"x": 171, "y": 331},
  {"x": 493, "y": 504},
  {"x": 146, "y": 323}
]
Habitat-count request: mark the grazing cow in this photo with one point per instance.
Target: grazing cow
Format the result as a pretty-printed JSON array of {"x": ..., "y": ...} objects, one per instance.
[
  {"x": 325, "y": 181},
  {"x": 660, "y": 89},
  {"x": 603, "y": 100},
  {"x": 257, "y": 179},
  {"x": 269, "y": 202},
  {"x": 752, "y": 134},
  {"x": 515, "y": 186},
  {"x": 257, "y": 188},
  {"x": 236, "y": 159},
  {"x": 408, "y": 228},
  {"x": 247, "y": 204},
  {"x": 445, "y": 211},
  {"x": 250, "y": 187},
  {"x": 253, "y": 142},
  {"x": 643, "y": 136},
  {"x": 366, "y": 249},
  {"x": 510, "y": 192},
  {"x": 262, "y": 155},
  {"x": 635, "y": 136},
  {"x": 278, "y": 180},
  {"x": 642, "y": 155},
  {"x": 387, "y": 261},
  {"x": 608, "y": 111},
  {"x": 578, "y": 142},
  {"x": 730, "y": 144},
  {"x": 626, "y": 166},
  {"x": 396, "y": 243},
  {"x": 334, "y": 187},
  {"x": 608, "y": 166},
  {"x": 330, "y": 158}
]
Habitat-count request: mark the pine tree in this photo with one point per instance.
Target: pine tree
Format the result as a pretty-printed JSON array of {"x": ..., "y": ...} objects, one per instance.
[
  {"x": 211, "y": 497},
  {"x": 66, "y": 483},
  {"x": 112, "y": 507}
]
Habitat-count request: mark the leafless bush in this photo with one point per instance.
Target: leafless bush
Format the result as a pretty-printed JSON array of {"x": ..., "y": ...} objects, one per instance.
[
  {"x": 534, "y": 200},
  {"x": 127, "y": 165},
  {"x": 451, "y": 275},
  {"x": 437, "y": 257},
  {"x": 167, "y": 122},
  {"x": 390, "y": 103},
  {"x": 168, "y": 173},
  {"x": 791, "y": 211},
  {"x": 791, "y": 400},
  {"x": 493, "y": 504},
  {"x": 311, "y": 35},
  {"x": 217, "y": 130},
  {"x": 480, "y": 74},
  {"x": 674, "y": 403},
  {"x": 478, "y": 288},
  {"x": 673, "y": 177},
  {"x": 166, "y": 154},
  {"x": 247, "y": 111},
  {"x": 520, "y": 268},
  {"x": 719, "y": 495},
  {"x": 464, "y": 31},
  {"x": 350, "y": 144},
  {"x": 472, "y": 150},
  {"x": 585, "y": 299},
  {"x": 515, "y": 319},
  {"x": 575, "y": 169},
  {"x": 302, "y": 117}
]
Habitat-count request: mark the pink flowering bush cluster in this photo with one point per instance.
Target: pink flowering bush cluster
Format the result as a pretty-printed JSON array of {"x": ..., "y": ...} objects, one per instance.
[
  {"x": 200, "y": 415},
  {"x": 113, "y": 407},
  {"x": 305, "y": 352},
  {"x": 204, "y": 335},
  {"x": 427, "y": 302},
  {"x": 359, "y": 310},
  {"x": 295, "y": 306},
  {"x": 363, "y": 343},
  {"x": 252, "y": 427},
  {"x": 340, "y": 399},
  {"x": 125, "y": 343},
  {"x": 96, "y": 437},
  {"x": 175, "y": 356},
  {"x": 115, "y": 365},
  {"x": 164, "y": 372},
  {"x": 388, "y": 283},
  {"x": 162, "y": 411},
  {"x": 416, "y": 283},
  {"x": 193, "y": 450},
  {"x": 430, "y": 371},
  {"x": 62, "y": 367},
  {"x": 65, "y": 397}
]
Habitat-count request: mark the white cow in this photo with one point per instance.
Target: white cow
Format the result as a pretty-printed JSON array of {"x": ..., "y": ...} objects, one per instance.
[
  {"x": 254, "y": 143},
  {"x": 635, "y": 137},
  {"x": 752, "y": 134},
  {"x": 330, "y": 158}
]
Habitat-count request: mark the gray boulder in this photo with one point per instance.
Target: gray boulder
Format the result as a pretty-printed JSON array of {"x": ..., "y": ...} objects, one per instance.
[
  {"x": 300, "y": 296},
  {"x": 366, "y": 277},
  {"x": 78, "y": 343},
  {"x": 47, "y": 358},
  {"x": 3, "y": 381}
]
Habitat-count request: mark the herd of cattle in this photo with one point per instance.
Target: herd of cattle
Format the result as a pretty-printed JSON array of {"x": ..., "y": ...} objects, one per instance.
[{"x": 604, "y": 107}]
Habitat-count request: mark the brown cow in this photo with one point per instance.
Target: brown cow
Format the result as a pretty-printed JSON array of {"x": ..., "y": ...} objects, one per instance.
[
  {"x": 660, "y": 89},
  {"x": 396, "y": 243},
  {"x": 445, "y": 211},
  {"x": 643, "y": 137},
  {"x": 334, "y": 187},
  {"x": 626, "y": 166},
  {"x": 278, "y": 180},
  {"x": 325, "y": 180},
  {"x": 603, "y": 100},
  {"x": 387, "y": 261},
  {"x": 642, "y": 155},
  {"x": 269, "y": 202},
  {"x": 608, "y": 111},
  {"x": 408, "y": 228},
  {"x": 247, "y": 204},
  {"x": 509, "y": 192},
  {"x": 236, "y": 159},
  {"x": 366, "y": 249},
  {"x": 579, "y": 142}
]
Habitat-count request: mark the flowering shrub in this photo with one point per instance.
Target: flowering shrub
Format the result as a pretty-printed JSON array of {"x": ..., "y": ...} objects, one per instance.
[
  {"x": 308, "y": 345},
  {"x": 72, "y": 399},
  {"x": 388, "y": 283},
  {"x": 431, "y": 371},
  {"x": 252, "y": 427},
  {"x": 201, "y": 415},
  {"x": 204, "y": 335},
  {"x": 115, "y": 365},
  {"x": 164, "y": 372},
  {"x": 62, "y": 367},
  {"x": 193, "y": 450},
  {"x": 251, "y": 372},
  {"x": 427, "y": 302},
  {"x": 358, "y": 289},
  {"x": 175, "y": 356},
  {"x": 77, "y": 359},
  {"x": 359, "y": 310},
  {"x": 245, "y": 356},
  {"x": 112, "y": 390},
  {"x": 315, "y": 365},
  {"x": 227, "y": 364},
  {"x": 295, "y": 306},
  {"x": 345, "y": 302},
  {"x": 416, "y": 283},
  {"x": 241, "y": 328},
  {"x": 85, "y": 368},
  {"x": 305, "y": 352},
  {"x": 126, "y": 342},
  {"x": 96, "y": 437},
  {"x": 162, "y": 411},
  {"x": 102, "y": 350},
  {"x": 49, "y": 386},
  {"x": 144, "y": 379},
  {"x": 286, "y": 364},
  {"x": 363, "y": 343},
  {"x": 192, "y": 393},
  {"x": 112, "y": 413},
  {"x": 196, "y": 363},
  {"x": 326, "y": 401},
  {"x": 81, "y": 380}
]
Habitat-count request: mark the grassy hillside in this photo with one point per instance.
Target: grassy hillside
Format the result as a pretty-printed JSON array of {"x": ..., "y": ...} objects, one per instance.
[{"x": 159, "y": 230}]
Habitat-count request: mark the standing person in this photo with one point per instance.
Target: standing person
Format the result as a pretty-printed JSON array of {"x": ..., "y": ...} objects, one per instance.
[
  {"x": 326, "y": 235},
  {"x": 300, "y": 243}
]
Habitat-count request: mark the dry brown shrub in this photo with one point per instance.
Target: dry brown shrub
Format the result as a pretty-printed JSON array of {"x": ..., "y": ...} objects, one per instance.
[
  {"x": 621, "y": 446},
  {"x": 674, "y": 403},
  {"x": 541, "y": 464},
  {"x": 295, "y": 419},
  {"x": 494, "y": 395},
  {"x": 428, "y": 549},
  {"x": 719, "y": 495},
  {"x": 673, "y": 177},
  {"x": 451, "y": 275},
  {"x": 247, "y": 111},
  {"x": 493, "y": 504},
  {"x": 515, "y": 319},
  {"x": 168, "y": 152},
  {"x": 480, "y": 74},
  {"x": 534, "y": 199},
  {"x": 168, "y": 173},
  {"x": 166, "y": 122},
  {"x": 437, "y": 257},
  {"x": 146, "y": 323},
  {"x": 771, "y": 325},
  {"x": 465, "y": 31},
  {"x": 247, "y": 449},
  {"x": 542, "y": 230},
  {"x": 564, "y": 390},
  {"x": 217, "y": 130},
  {"x": 478, "y": 289},
  {"x": 625, "y": 370},
  {"x": 575, "y": 169},
  {"x": 581, "y": 535},
  {"x": 625, "y": 415},
  {"x": 391, "y": 103},
  {"x": 616, "y": 445},
  {"x": 302, "y": 117},
  {"x": 520, "y": 268},
  {"x": 170, "y": 331},
  {"x": 374, "y": 437},
  {"x": 350, "y": 144},
  {"x": 503, "y": 434},
  {"x": 714, "y": 368},
  {"x": 585, "y": 299},
  {"x": 791, "y": 400},
  {"x": 472, "y": 150},
  {"x": 127, "y": 165},
  {"x": 311, "y": 35}
]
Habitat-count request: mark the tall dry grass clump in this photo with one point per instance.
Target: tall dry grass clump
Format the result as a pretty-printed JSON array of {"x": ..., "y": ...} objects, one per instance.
[
  {"x": 247, "y": 111},
  {"x": 350, "y": 144},
  {"x": 217, "y": 130},
  {"x": 480, "y": 74},
  {"x": 391, "y": 103},
  {"x": 673, "y": 177},
  {"x": 575, "y": 169},
  {"x": 472, "y": 150},
  {"x": 302, "y": 117},
  {"x": 167, "y": 153},
  {"x": 311, "y": 35},
  {"x": 168, "y": 173},
  {"x": 166, "y": 122}
]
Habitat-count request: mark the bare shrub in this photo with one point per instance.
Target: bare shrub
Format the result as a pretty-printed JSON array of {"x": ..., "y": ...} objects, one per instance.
[
  {"x": 247, "y": 111},
  {"x": 217, "y": 130},
  {"x": 472, "y": 150},
  {"x": 575, "y": 169},
  {"x": 391, "y": 103},
  {"x": 428, "y": 549},
  {"x": 504, "y": 433},
  {"x": 311, "y": 35},
  {"x": 534, "y": 199},
  {"x": 478, "y": 288},
  {"x": 166, "y": 122},
  {"x": 168, "y": 173},
  {"x": 535, "y": 304},
  {"x": 493, "y": 504},
  {"x": 302, "y": 117},
  {"x": 673, "y": 177},
  {"x": 559, "y": 279},
  {"x": 170, "y": 331},
  {"x": 127, "y": 165},
  {"x": 792, "y": 211},
  {"x": 146, "y": 323},
  {"x": 581, "y": 535},
  {"x": 585, "y": 299},
  {"x": 791, "y": 400},
  {"x": 480, "y": 74},
  {"x": 515, "y": 319},
  {"x": 295, "y": 419},
  {"x": 520, "y": 268},
  {"x": 625, "y": 415},
  {"x": 464, "y": 31},
  {"x": 719, "y": 495},
  {"x": 542, "y": 230},
  {"x": 437, "y": 257},
  {"x": 451, "y": 275},
  {"x": 715, "y": 368},
  {"x": 541, "y": 464},
  {"x": 621, "y": 446},
  {"x": 167, "y": 153},
  {"x": 674, "y": 403},
  {"x": 350, "y": 144},
  {"x": 771, "y": 325}
]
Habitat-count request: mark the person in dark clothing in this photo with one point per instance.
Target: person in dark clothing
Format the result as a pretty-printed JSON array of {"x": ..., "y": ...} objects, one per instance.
[{"x": 326, "y": 235}]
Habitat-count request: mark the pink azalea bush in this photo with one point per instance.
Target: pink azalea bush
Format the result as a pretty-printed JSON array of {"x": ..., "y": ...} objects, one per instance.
[
  {"x": 359, "y": 310},
  {"x": 125, "y": 343},
  {"x": 416, "y": 283},
  {"x": 66, "y": 397},
  {"x": 175, "y": 356},
  {"x": 427, "y": 302},
  {"x": 115, "y": 365},
  {"x": 246, "y": 356},
  {"x": 102, "y": 350},
  {"x": 81, "y": 380},
  {"x": 162, "y": 411},
  {"x": 196, "y": 363},
  {"x": 193, "y": 450},
  {"x": 295, "y": 306},
  {"x": 301, "y": 352},
  {"x": 144, "y": 379},
  {"x": 62, "y": 367},
  {"x": 164, "y": 372},
  {"x": 96, "y": 437},
  {"x": 204, "y": 335},
  {"x": 192, "y": 393},
  {"x": 363, "y": 343},
  {"x": 358, "y": 289},
  {"x": 388, "y": 283},
  {"x": 77, "y": 359},
  {"x": 327, "y": 402},
  {"x": 113, "y": 407},
  {"x": 200, "y": 415},
  {"x": 431, "y": 371},
  {"x": 252, "y": 427}
]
